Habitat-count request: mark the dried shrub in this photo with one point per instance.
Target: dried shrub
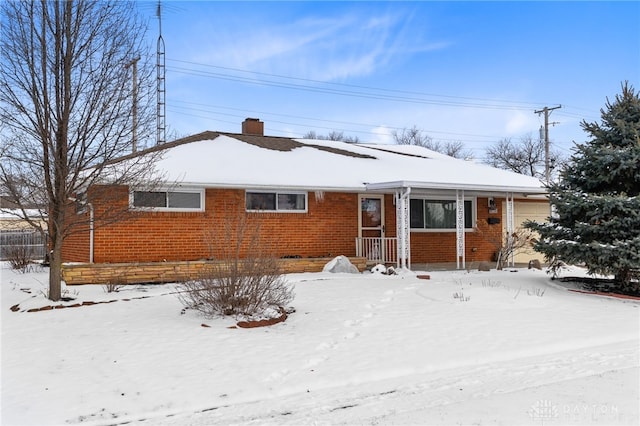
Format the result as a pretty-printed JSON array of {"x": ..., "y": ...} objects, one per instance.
[
  {"x": 248, "y": 287},
  {"x": 245, "y": 279},
  {"x": 20, "y": 257},
  {"x": 115, "y": 285},
  {"x": 506, "y": 245}
]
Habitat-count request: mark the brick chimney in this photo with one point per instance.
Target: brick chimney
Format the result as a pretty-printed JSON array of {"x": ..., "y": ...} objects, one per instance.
[{"x": 253, "y": 126}]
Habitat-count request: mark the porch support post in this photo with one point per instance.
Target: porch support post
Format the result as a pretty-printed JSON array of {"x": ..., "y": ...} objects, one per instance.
[
  {"x": 402, "y": 228},
  {"x": 460, "y": 255},
  {"x": 510, "y": 225}
]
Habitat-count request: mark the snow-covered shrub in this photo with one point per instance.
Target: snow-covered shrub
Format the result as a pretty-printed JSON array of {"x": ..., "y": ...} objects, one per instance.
[
  {"x": 379, "y": 269},
  {"x": 340, "y": 264}
]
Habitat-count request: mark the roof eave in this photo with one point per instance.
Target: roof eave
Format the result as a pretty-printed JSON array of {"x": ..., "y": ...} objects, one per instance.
[
  {"x": 266, "y": 187},
  {"x": 378, "y": 186}
]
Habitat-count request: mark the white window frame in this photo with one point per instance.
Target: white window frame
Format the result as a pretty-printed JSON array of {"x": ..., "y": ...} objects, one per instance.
[
  {"x": 474, "y": 214},
  {"x": 199, "y": 191},
  {"x": 276, "y": 193}
]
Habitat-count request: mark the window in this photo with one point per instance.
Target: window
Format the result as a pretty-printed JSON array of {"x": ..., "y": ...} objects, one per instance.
[
  {"x": 276, "y": 201},
  {"x": 438, "y": 214},
  {"x": 183, "y": 200}
]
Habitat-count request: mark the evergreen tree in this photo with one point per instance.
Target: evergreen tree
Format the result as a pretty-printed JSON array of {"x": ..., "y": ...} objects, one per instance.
[{"x": 596, "y": 202}]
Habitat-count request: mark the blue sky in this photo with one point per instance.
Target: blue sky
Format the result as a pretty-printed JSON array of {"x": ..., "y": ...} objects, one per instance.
[{"x": 473, "y": 72}]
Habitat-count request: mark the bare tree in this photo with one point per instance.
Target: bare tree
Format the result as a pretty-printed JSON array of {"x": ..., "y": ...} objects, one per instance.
[
  {"x": 415, "y": 136},
  {"x": 526, "y": 157},
  {"x": 66, "y": 99},
  {"x": 332, "y": 136}
]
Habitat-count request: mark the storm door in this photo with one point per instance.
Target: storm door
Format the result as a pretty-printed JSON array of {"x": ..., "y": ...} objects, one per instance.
[{"x": 371, "y": 227}]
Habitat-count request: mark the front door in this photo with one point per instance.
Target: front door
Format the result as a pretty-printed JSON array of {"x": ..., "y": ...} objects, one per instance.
[{"x": 371, "y": 227}]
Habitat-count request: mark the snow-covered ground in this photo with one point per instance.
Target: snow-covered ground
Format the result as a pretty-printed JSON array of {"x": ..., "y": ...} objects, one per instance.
[{"x": 495, "y": 347}]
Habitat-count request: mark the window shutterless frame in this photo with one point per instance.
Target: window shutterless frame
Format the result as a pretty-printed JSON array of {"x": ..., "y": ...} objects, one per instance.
[
  {"x": 276, "y": 201},
  {"x": 167, "y": 200},
  {"x": 439, "y": 214}
]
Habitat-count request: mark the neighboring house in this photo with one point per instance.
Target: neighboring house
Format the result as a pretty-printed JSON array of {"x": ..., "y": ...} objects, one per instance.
[
  {"x": 12, "y": 219},
  {"x": 395, "y": 204}
]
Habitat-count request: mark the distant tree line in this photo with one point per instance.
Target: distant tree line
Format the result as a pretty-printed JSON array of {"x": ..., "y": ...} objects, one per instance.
[{"x": 332, "y": 136}]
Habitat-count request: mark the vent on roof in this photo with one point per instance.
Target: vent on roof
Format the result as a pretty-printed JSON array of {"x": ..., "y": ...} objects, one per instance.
[{"x": 253, "y": 126}]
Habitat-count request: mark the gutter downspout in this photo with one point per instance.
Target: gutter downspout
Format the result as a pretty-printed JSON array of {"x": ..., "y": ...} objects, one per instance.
[{"x": 91, "y": 236}]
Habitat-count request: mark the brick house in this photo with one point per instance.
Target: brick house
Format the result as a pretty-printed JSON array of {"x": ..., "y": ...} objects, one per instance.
[{"x": 313, "y": 199}]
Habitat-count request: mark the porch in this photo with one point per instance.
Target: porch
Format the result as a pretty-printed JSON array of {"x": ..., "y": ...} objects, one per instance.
[{"x": 378, "y": 250}]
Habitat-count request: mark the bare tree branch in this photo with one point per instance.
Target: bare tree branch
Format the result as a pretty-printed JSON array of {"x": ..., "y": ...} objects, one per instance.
[
  {"x": 66, "y": 105},
  {"x": 415, "y": 136},
  {"x": 525, "y": 157}
]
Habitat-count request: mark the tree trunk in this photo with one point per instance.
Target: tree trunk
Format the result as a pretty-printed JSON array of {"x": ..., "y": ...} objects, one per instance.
[{"x": 55, "y": 269}]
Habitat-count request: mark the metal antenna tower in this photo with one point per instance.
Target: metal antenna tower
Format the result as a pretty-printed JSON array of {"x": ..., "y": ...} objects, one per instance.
[{"x": 161, "y": 111}]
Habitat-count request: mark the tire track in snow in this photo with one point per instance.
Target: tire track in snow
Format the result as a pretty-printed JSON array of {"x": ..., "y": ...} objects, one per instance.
[{"x": 405, "y": 398}]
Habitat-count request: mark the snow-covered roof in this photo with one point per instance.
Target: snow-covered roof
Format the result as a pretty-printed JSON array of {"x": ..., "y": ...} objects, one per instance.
[
  {"x": 16, "y": 214},
  {"x": 252, "y": 161}
]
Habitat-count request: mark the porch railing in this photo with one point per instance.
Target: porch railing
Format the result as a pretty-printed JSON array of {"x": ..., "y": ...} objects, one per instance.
[{"x": 377, "y": 250}]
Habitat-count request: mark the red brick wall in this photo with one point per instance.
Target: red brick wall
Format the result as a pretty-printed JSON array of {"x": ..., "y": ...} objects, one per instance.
[
  {"x": 76, "y": 244},
  {"x": 329, "y": 228}
]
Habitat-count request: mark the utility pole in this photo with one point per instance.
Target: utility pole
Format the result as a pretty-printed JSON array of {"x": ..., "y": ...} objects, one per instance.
[
  {"x": 134, "y": 111},
  {"x": 547, "y": 165}
]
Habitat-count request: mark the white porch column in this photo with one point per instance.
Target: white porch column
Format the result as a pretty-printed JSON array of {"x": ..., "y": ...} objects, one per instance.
[
  {"x": 402, "y": 228},
  {"x": 510, "y": 224},
  {"x": 460, "y": 255}
]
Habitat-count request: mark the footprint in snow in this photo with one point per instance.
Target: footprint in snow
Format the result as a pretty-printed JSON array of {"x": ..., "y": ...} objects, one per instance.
[
  {"x": 351, "y": 335},
  {"x": 277, "y": 375},
  {"x": 315, "y": 361},
  {"x": 325, "y": 345},
  {"x": 351, "y": 323}
]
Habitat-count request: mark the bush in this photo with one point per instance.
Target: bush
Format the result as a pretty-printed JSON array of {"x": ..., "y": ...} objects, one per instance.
[
  {"x": 19, "y": 257},
  {"x": 245, "y": 280},
  {"x": 242, "y": 287},
  {"x": 506, "y": 245}
]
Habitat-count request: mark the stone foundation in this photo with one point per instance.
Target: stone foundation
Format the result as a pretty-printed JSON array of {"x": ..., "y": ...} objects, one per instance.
[{"x": 166, "y": 272}]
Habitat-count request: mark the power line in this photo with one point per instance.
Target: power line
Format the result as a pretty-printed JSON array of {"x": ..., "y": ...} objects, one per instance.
[
  {"x": 340, "y": 89},
  {"x": 208, "y": 108},
  {"x": 515, "y": 104},
  {"x": 352, "y": 90}
]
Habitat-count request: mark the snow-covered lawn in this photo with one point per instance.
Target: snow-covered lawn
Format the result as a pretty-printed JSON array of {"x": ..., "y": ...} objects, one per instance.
[{"x": 473, "y": 347}]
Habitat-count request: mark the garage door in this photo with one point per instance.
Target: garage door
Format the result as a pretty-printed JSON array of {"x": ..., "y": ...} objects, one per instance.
[{"x": 523, "y": 211}]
